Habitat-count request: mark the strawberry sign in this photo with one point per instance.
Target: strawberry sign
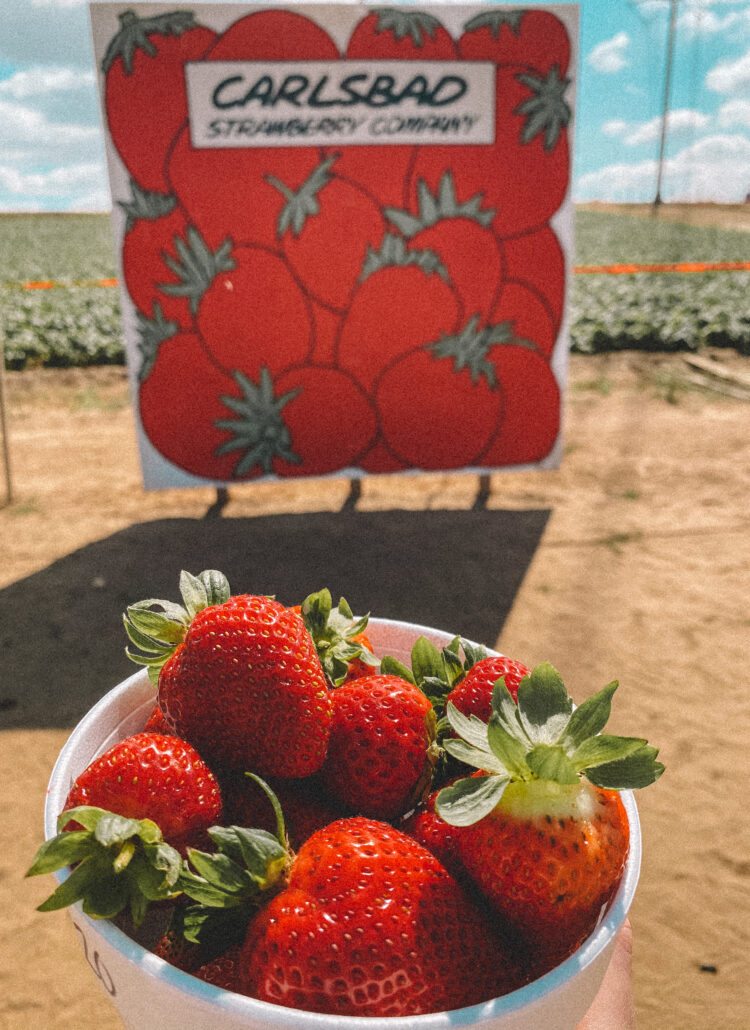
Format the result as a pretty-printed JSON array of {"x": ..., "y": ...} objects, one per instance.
[{"x": 344, "y": 234}]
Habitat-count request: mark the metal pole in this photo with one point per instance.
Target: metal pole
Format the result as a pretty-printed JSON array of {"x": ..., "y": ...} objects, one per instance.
[
  {"x": 4, "y": 426},
  {"x": 665, "y": 107}
]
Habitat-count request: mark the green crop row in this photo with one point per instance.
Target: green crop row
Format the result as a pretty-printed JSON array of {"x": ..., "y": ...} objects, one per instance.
[{"x": 81, "y": 325}]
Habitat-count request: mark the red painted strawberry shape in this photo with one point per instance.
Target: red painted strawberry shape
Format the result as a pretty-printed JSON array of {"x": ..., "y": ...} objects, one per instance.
[
  {"x": 441, "y": 405},
  {"x": 458, "y": 232},
  {"x": 145, "y": 60},
  {"x": 179, "y": 391},
  {"x": 404, "y": 300},
  {"x": 325, "y": 230},
  {"x": 524, "y": 173},
  {"x": 311, "y": 420},
  {"x": 535, "y": 38},
  {"x": 153, "y": 222},
  {"x": 247, "y": 304},
  {"x": 225, "y": 190}
]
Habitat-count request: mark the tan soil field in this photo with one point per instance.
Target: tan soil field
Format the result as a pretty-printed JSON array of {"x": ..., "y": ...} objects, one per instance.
[{"x": 636, "y": 568}]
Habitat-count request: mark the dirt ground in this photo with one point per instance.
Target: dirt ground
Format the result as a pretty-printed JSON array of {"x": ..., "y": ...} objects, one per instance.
[{"x": 630, "y": 562}]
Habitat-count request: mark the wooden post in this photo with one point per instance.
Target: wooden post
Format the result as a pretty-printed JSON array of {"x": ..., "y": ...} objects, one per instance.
[{"x": 4, "y": 427}]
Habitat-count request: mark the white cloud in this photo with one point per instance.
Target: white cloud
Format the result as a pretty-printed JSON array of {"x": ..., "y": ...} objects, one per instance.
[
  {"x": 615, "y": 127},
  {"x": 609, "y": 56},
  {"x": 37, "y": 81},
  {"x": 730, "y": 77},
  {"x": 62, "y": 181},
  {"x": 680, "y": 122},
  {"x": 734, "y": 112},
  {"x": 20, "y": 124},
  {"x": 714, "y": 169}
]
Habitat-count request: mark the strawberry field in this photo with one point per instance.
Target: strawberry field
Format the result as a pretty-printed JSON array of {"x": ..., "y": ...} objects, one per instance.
[{"x": 77, "y": 322}]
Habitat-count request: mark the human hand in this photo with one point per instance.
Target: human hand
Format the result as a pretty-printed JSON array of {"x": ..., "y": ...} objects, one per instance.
[{"x": 613, "y": 1007}]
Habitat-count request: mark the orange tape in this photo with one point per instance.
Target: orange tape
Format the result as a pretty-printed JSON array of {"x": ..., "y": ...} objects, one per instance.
[
  {"x": 622, "y": 269},
  {"x": 682, "y": 266}
]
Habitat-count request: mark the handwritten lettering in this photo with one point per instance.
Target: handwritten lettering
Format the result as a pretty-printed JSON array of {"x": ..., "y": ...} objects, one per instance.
[{"x": 94, "y": 960}]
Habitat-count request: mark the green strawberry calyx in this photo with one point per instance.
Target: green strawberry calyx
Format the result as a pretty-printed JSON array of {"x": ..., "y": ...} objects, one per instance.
[
  {"x": 543, "y": 742},
  {"x": 436, "y": 671},
  {"x": 414, "y": 24},
  {"x": 158, "y": 627},
  {"x": 228, "y": 885},
  {"x": 118, "y": 864},
  {"x": 333, "y": 630},
  {"x": 135, "y": 34}
]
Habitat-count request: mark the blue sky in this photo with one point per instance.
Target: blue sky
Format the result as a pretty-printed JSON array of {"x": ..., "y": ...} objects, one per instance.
[{"x": 52, "y": 150}]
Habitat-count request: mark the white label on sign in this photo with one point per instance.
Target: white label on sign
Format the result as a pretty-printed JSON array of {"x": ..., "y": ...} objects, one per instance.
[{"x": 335, "y": 103}]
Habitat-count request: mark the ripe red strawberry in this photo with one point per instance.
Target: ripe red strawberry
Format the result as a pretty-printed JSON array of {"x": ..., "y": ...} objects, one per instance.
[
  {"x": 145, "y": 60},
  {"x": 435, "y": 834},
  {"x": 157, "y": 777},
  {"x": 381, "y": 751},
  {"x": 473, "y": 694},
  {"x": 238, "y": 676},
  {"x": 371, "y": 924},
  {"x": 404, "y": 301},
  {"x": 543, "y": 832}
]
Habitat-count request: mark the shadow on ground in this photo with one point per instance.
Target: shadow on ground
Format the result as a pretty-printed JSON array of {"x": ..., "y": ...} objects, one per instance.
[{"x": 61, "y": 635}]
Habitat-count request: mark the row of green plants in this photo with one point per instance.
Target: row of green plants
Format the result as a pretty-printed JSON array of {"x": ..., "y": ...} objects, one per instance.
[{"x": 81, "y": 325}]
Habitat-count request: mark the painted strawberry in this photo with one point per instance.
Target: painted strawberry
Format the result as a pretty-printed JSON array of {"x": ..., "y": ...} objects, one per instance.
[
  {"x": 381, "y": 753},
  {"x": 543, "y": 831},
  {"x": 145, "y": 60},
  {"x": 238, "y": 676},
  {"x": 457, "y": 231},
  {"x": 248, "y": 306},
  {"x": 440, "y": 406},
  {"x": 523, "y": 174},
  {"x": 379, "y": 928},
  {"x": 325, "y": 229},
  {"x": 394, "y": 34},
  {"x": 225, "y": 190},
  {"x": 153, "y": 776},
  {"x": 473, "y": 694},
  {"x": 532, "y": 294},
  {"x": 403, "y": 301},
  {"x": 521, "y": 36},
  {"x": 531, "y": 407},
  {"x": 309, "y": 421},
  {"x": 179, "y": 393},
  {"x": 153, "y": 222}
]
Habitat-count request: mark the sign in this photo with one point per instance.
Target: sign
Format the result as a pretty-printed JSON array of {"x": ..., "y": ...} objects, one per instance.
[{"x": 344, "y": 234}]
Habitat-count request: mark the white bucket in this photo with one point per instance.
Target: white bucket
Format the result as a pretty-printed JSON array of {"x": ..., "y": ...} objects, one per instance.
[{"x": 148, "y": 991}]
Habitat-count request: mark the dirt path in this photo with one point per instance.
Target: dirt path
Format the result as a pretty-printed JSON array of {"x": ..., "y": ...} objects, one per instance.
[{"x": 635, "y": 569}]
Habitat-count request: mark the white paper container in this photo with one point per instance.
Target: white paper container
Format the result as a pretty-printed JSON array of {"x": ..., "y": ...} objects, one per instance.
[{"x": 148, "y": 991}]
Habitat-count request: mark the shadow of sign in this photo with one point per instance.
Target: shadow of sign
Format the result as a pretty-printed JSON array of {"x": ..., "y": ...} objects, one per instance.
[{"x": 61, "y": 635}]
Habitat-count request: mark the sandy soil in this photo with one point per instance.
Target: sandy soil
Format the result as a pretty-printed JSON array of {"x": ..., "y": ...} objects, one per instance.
[{"x": 628, "y": 562}]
